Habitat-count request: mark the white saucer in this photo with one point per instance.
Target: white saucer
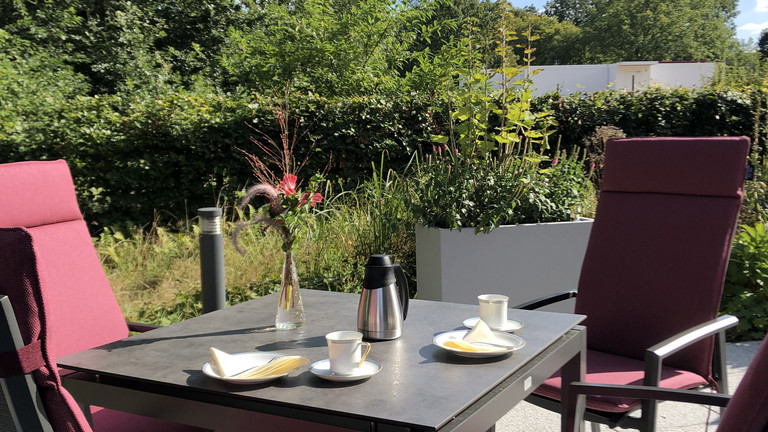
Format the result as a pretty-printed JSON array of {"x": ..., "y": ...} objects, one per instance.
[
  {"x": 256, "y": 358},
  {"x": 322, "y": 369},
  {"x": 510, "y": 326},
  {"x": 515, "y": 343}
]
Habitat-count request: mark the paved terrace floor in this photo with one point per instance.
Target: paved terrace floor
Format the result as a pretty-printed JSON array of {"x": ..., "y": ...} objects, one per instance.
[{"x": 673, "y": 416}]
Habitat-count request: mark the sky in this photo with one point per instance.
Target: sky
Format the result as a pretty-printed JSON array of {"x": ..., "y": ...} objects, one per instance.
[{"x": 752, "y": 18}]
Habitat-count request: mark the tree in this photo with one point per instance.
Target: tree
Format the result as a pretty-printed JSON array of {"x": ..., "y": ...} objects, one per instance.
[
  {"x": 762, "y": 43},
  {"x": 575, "y": 11},
  {"x": 684, "y": 30},
  {"x": 556, "y": 39},
  {"x": 443, "y": 22},
  {"x": 332, "y": 47}
]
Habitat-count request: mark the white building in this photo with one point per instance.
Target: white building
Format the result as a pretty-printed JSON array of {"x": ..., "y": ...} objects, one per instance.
[{"x": 630, "y": 76}]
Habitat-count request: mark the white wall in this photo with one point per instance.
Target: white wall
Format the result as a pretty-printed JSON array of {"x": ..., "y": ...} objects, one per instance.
[
  {"x": 632, "y": 77},
  {"x": 591, "y": 78},
  {"x": 689, "y": 75},
  {"x": 571, "y": 78}
]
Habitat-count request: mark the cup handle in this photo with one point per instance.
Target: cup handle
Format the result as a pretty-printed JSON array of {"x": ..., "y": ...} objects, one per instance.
[{"x": 362, "y": 357}]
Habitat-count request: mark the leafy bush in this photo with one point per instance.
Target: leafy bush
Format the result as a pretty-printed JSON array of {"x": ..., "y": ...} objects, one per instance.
[
  {"x": 754, "y": 208},
  {"x": 746, "y": 284},
  {"x": 658, "y": 112},
  {"x": 561, "y": 192},
  {"x": 37, "y": 93},
  {"x": 490, "y": 167}
]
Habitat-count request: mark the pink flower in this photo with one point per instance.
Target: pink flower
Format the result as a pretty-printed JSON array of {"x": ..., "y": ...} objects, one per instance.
[
  {"x": 592, "y": 165},
  {"x": 316, "y": 198},
  {"x": 555, "y": 161},
  {"x": 288, "y": 185}
]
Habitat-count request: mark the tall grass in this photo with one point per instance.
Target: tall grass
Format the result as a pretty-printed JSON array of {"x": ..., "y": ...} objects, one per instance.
[{"x": 155, "y": 272}]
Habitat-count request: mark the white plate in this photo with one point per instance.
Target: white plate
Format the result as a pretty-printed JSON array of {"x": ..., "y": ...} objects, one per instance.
[
  {"x": 257, "y": 358},
  {"x": 322, "y": 369},
  {"x": 515, "y": 343},
  {"x": 510, "y": 326}
]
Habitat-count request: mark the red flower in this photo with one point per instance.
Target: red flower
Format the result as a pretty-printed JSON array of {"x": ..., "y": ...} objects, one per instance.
[
  {"x": 288, "y": 185},
  {"x": 316, "y": 198}
]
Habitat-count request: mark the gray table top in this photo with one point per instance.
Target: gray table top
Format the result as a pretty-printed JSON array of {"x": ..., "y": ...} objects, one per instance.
[{"x": 420, "y": 384}]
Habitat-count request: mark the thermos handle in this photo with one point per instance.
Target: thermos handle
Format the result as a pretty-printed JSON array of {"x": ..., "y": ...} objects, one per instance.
[{"x": 402, "y": 284}]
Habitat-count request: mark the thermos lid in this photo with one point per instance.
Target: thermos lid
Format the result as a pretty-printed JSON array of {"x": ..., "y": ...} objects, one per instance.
[
  {"x": 379, "y": 272},
  {"x": 380, "y": 260}
]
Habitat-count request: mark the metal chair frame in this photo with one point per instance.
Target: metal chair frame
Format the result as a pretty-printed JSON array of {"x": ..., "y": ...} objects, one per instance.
[{"x": 20, "y": 393}]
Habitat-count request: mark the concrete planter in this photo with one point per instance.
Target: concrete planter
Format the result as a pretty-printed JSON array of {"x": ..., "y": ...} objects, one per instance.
[{"x": 523, "y": 262}]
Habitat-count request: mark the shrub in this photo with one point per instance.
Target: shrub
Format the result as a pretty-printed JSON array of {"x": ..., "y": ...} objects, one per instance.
[
  {"x": 746, "y": 285},
  {"x": 658, "y": 112}
]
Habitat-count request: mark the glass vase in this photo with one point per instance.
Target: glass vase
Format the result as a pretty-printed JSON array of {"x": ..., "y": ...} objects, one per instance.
[{"x": 290, "y": 310}]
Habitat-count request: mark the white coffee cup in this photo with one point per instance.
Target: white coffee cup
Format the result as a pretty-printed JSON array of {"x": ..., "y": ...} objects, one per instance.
[
  {"x": 493, "y": 310},
  {"x": 344, "y": 351}
]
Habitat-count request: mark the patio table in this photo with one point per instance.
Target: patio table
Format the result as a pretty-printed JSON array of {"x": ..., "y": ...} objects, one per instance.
[{"x": 421, "y": 387}]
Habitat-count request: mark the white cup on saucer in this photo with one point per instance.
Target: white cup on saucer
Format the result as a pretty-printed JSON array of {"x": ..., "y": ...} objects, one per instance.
[
  {"x": 345, "y": 351},
  {"x": 493, "y": 310}
]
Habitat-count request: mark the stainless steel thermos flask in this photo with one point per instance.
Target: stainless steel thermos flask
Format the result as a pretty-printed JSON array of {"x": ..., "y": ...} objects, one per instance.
[{"x": 384, "y": 299}]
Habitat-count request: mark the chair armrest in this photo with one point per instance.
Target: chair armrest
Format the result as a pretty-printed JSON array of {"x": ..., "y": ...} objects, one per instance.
[
  {"x": 141, "y": 327},
  {"x": 546, "y": 300},
  {"x": 657, "y": 353}
]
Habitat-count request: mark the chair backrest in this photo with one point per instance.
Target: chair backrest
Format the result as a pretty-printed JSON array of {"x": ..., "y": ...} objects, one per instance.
[
  {"x": 51, "y": 273},
  {"x": 39, "y": 208},
  {"x": 660, "y": 243},
  {"x": 748, "y": 409},
  {"x": 21, "y": 407}
]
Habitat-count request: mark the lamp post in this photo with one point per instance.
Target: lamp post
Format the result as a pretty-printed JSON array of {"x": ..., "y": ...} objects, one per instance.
[{"x": 211, "y": 259}]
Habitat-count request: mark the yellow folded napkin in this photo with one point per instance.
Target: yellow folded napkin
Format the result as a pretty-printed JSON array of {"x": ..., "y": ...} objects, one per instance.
[
  {"x": 476, "y": 339},
  {"x": 235, "y": 366},
  {"x": 281, "y": 366}
]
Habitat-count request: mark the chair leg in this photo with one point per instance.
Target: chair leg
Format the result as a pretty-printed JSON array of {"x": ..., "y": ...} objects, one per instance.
[
  {"x": 595, "y": 427},
  {"x": 86, "y": 409},
  {"x": 719, "y": 370},
  {"x": 648, "y": 415}
]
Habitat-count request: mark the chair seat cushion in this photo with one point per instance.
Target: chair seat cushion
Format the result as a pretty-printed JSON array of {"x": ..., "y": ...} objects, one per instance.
[{"x": 603, "y": 368}]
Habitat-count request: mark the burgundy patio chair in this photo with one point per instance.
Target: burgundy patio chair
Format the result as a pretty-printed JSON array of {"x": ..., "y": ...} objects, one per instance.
[
  {"x": 654, "y": 270},
  {"x": 747, "y": 408},
  {"x": 61, "y": 298}
]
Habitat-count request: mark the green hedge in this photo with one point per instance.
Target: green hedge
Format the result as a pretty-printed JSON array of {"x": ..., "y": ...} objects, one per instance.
[
  {"x": 143, "y": 157},
  {"x": 659, "y": 112}
]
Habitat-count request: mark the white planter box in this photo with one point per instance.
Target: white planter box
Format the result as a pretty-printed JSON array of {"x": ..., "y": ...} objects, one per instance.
[{"x": 524, "y": 262}]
